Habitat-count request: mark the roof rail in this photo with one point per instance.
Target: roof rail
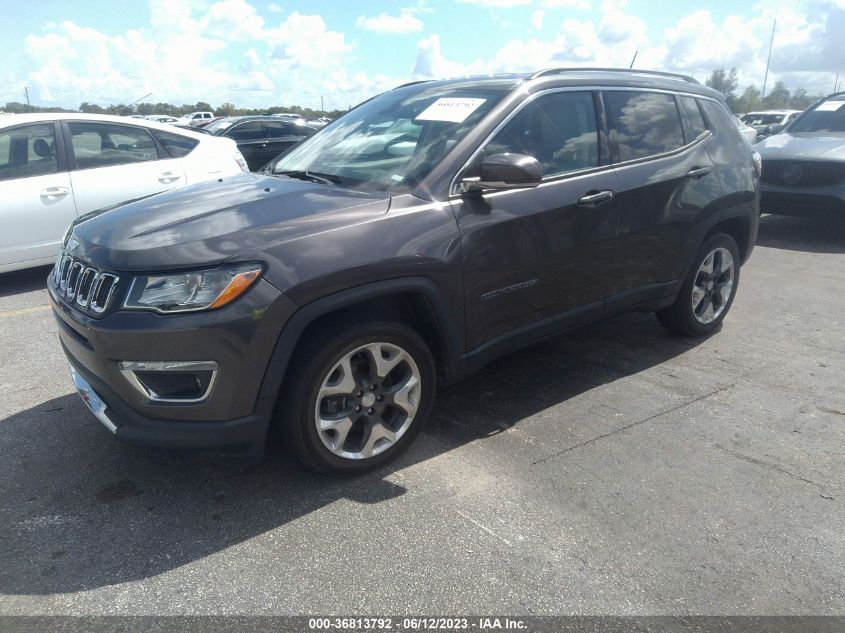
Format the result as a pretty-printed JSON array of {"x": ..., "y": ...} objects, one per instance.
[
  {"x": 412, "y": 83},
  {"x": 657, "y": 73}
]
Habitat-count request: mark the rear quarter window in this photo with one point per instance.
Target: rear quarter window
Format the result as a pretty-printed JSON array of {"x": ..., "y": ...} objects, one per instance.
[
  {"x": 693, "y": 119},
  {"x": 176, "y": 144},
  {"x": 643, "y": 124}
]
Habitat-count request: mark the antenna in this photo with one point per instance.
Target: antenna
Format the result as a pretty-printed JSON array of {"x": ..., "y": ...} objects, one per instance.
[{"x": 633, "y": 60}]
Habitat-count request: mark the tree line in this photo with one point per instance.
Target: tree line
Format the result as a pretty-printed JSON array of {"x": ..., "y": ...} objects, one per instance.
[
  {"x": 725, "y": 81},
  {"x": 751, "y": 99},
  {"x": 224, "y": 109}
]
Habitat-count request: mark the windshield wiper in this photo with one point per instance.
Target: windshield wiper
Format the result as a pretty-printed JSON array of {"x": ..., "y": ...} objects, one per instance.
[{"x": 313, "y": 176}]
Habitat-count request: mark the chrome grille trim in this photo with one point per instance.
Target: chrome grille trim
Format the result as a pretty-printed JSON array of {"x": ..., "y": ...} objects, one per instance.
[
  {"x": 86, "y": 283},
  {"x": 73, "y": 279},
  {"x": 65, "y": 269},
  {"x": 83, "y": 285},
  {"x": 96, "y": 304}
]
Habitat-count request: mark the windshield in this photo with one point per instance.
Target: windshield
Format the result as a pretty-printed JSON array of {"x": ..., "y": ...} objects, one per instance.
[
  {"x": 762, "y": 119},
  {"x": 393, "y": 141},
  {"x": 219, "y": 126},
  {"x": 828, "y": 116}
]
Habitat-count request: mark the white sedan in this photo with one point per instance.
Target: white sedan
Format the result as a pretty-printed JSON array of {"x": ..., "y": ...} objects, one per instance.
[{"x": 56, "y": 167}]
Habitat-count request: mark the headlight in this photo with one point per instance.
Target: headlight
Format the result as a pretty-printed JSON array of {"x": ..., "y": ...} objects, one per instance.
[{"x": 193, "y": 290}]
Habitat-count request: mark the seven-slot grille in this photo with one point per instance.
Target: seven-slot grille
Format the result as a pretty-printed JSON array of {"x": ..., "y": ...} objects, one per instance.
[
  {"x": 803, "y": 173},
  {"x": 82, "y": 284}
]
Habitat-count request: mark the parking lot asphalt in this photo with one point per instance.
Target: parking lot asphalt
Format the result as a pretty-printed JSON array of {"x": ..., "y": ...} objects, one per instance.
[{"x": 615, "y": 469}]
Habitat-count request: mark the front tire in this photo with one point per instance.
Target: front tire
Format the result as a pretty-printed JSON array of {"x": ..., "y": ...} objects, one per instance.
[
  {"x": 358, "y": 396},
  {"x": 708, "y": 291}
]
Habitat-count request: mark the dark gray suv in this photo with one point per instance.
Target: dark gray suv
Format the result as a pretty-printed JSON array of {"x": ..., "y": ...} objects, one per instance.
[{"x": 429, "y": 230}]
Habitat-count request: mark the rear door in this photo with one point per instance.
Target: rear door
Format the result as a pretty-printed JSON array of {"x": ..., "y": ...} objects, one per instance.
[
  {"x": 36, "y": 198},
  {"x": 113, "y": 162},
  {"x": 666, "y": 185},
  {"x": 540, "y": 258},
  {"x": 252, "y": 140}
]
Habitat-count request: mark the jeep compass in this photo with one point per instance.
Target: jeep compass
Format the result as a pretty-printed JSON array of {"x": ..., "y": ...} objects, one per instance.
[{"x": 427, "y": 231}]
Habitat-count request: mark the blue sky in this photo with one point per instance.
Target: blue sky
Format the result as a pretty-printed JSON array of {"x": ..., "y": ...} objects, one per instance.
[{"x": 260, "y": 53}]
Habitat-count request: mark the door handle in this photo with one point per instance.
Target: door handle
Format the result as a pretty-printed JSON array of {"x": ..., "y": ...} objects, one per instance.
[
  {"x": 168, "y": 176},
  {"x": 698, "y": 172},
  {"x": 595, "y": 198},
  {"x": 54, "y": 192}
]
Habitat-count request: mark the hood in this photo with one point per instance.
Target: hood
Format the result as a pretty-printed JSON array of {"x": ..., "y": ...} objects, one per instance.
[
  {"x": 210, "y": 222},
  {"x": 803, "y": 146}
]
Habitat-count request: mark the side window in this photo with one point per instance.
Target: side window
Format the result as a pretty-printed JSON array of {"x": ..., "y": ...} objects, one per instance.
[
  {"x": 176, "y": 144},
  {"x": 559, "y": 130},
  {"x": 278, "y": 129},
  {"x": 692, "y": 114},
  {"x": 107, "y": 144},
  {"x": 643, "y": 123},
  {"x": 28, "y": 150},
  {"x": 249, "y": 131}
]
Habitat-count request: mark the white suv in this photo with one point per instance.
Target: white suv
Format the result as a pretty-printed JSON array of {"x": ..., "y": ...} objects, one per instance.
[{"x": 55, "y": 167}]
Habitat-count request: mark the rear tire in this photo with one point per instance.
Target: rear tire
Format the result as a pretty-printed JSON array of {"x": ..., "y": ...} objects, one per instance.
[
  {"x": 708, "y": 291},
  {"x": 359, "y": 393}
]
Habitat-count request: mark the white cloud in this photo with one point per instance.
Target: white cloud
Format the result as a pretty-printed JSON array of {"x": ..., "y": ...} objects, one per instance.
[
  {"x": 306, "y": 41},
  {"x": 226, "y": 50},
  {"x": 431, "y": 63},
  {"x": 405, "y": 22},
  {"x": 275, "y": 8},
  {"x": 232, "y": 20}
]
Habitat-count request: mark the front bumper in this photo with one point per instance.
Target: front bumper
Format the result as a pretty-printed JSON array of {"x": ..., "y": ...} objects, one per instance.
[
  {"x": 823, "y": 202},
  {"x": 239, "y": 337},
  {"x": 242, "y": 437}
]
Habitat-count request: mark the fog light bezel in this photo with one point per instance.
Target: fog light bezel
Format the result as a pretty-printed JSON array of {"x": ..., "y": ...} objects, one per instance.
[{"x": 129, "y": 367}]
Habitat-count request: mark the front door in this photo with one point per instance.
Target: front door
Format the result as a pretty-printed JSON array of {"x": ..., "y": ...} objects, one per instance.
[
  {"x": 36, "y": 198},
  {"x": 541, "y": 256},
  {"x": 282, "y": 135}
]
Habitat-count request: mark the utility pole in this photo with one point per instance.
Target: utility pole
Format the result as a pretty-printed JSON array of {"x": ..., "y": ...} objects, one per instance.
[
  {"x": 836, "y": 83},
  {"x": 634, "y": 59},
  {"x": 769, "y": 59},
  {"x": 322, "y": 108},
  {"x": 26, "y": 92}
]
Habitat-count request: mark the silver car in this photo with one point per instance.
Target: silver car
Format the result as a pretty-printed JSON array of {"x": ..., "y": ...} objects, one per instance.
[{"x": 804, "y": 166}]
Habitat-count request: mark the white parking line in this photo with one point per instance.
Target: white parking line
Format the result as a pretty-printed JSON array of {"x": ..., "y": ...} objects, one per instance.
[{"x": 23, "y": 311}]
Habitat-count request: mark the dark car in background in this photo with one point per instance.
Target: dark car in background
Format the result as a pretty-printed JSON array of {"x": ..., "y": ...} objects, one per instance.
[
  {"x": 804, "y": 166},
  {"x": 429, "y": 230},
  {"x": 260, "y": 138}
]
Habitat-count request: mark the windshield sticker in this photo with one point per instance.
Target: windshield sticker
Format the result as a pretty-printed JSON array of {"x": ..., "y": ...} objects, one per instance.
[
  {"x": 450, "y": 109},
  {"x": 830, "y": 106}
]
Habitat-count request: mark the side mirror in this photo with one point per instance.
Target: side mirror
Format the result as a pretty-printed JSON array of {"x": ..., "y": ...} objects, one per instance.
[{"x": 506, "y": 171}]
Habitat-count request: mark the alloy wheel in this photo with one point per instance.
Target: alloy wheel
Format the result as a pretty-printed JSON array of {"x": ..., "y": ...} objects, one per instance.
[
  {"x": 367, "y": 401},
  {"x": 713, "y": 285}
]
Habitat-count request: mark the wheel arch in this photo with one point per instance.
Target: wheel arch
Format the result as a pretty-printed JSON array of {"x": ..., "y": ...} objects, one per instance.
[
  {"x": 740, "y": 228},
  {"x": 415, "y": 301}
]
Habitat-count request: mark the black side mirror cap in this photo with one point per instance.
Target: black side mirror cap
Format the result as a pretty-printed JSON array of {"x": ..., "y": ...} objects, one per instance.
[{"x": 506, "y": 171}]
